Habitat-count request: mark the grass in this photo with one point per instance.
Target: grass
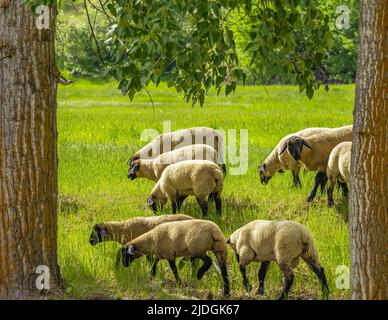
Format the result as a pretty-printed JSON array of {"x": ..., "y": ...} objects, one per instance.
[{"x": 99, "y": 130}]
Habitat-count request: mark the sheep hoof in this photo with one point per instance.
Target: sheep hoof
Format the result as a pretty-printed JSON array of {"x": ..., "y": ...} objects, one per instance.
[
  {"x": 260, "y": 292},
  {"x": 248, "y": 287}
]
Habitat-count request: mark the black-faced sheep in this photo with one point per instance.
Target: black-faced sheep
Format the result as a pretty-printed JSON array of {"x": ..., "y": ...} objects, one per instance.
[
  {"x": 278, "y": 162},
  {"x": 281, "y": 241},
  {"x": 313, "y": 152},
  {"x": 124, "y": 231},
  {"x": 191, "y": 177},
  {"x": 338, "y": 169},
  {"x": 192, "y": 238},
  {"x": 152, "y": 169},
  {"x": 177, "y": 139}
]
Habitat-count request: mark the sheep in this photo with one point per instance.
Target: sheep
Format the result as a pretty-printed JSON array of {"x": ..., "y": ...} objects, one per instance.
[
  {"x": 152, "y": 169},
  {"x": 191, "y": 238},
  {"x": 124, "y": 231},
  {"x": 190, "y": 177},
  {"x": 177, "y": 139},
  {"x": 338, "y": 169},
  {"x": 276, "y": 162},
  {"x": 316, "y": 154},
  {"x": 280, "y": 241}
]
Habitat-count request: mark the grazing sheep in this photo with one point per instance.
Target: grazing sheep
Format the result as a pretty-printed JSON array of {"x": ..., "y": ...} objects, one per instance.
[
  {"x": 281, "y": 241},
  {"x": 191, "y": 238},
  {"x": 177, "y": 139},
  {"x": 191, "y": 177},
  {"x": 152, "y": 169},
  {"x": 124, "y": 231},
  {"x": 277, "y": 162},
  {"x": 338, "y": 169},
  {"x": 316, "y": 154}
]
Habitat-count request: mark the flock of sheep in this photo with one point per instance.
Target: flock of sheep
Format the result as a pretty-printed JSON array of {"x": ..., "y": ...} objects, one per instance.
[{"x": 190, "y": 162}]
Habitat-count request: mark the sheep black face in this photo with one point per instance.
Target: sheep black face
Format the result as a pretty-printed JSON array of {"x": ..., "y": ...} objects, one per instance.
[
  {"x": 128, "y": 253},
  {"x": 151, "y": 202},
  {"x": 263, "y": 177},
  {"x": 99, "y": 234},
  {"x": 133, "y": 170},
  {"x": 295, "y": 147}
]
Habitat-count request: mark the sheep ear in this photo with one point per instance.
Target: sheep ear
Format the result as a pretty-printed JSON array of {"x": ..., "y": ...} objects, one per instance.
[
  {"x": 305, "y": 143},
  {"x": 150, "y": 201},
  {"x": 131, "y": 249},
  {"x": 284, "y": 147}
]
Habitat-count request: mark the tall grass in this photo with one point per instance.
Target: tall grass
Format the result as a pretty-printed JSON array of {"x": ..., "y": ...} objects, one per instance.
[{"x": 99, "y": 130}]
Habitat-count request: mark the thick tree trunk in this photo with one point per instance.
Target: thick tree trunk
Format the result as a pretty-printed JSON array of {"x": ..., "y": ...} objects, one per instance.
[
  {"x": 368, "y": 221},
  {"x": 28, "y": 151}
]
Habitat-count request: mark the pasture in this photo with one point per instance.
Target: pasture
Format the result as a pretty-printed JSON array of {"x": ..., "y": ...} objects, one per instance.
[{"x": 98, "y": 130}]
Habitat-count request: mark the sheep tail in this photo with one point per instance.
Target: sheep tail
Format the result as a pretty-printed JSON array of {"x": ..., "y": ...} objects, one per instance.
[
  {"x": 309, "y": 251},
  {"x": 219, "y": 179}
]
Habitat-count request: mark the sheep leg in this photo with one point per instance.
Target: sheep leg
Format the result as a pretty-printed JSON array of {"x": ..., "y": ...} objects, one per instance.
[
  {"x": 246, "y": 284},
  {"x": 320, "y": 272},
  {"x": 221, "y": 259},
  {"x": 207, "y": 263},
  {"x": 318, "y": 180},
  {"x": 218, "y": 202},
  {"x": 330, "y": 189},
  {"x": 180, "y": 201},
  {"x": 175, "y": 271},
  {"x": 174, "y": 205},
  {"x": 345, "y": 189},
  {"x": 153, "y": 268},
  {"x": 295, "y": 176},
  {"x": 211, "y": 197},
  {"x": 288, "y": 279},
  {"x": 203, "y": 204},
  {"x": 323, "y": 184},
  {"x": 262, "y": 273}
]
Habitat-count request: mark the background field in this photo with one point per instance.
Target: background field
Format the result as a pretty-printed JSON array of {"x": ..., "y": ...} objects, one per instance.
[{"x": 99, "y": 130}]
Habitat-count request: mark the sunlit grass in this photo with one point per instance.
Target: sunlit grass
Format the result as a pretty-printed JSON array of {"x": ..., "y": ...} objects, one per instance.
[{"x": 99, "y": 130}]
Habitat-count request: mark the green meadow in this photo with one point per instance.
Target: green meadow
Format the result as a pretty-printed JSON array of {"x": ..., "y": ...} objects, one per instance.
[{"x": 98, "y": 131}]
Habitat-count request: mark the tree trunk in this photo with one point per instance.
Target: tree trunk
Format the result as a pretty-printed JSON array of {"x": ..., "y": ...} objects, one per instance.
[
  {"x": 368, "y": 220},
  {"x": 28, "y": 151}
]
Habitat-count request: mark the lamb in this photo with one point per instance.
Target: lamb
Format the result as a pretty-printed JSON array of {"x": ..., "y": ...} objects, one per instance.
[
  {"x": 316, "y": 154},
  {"x": 277, "y": 162},
  {"x": 191, "y": 238},
  {"x": 191, "y": 177},
  {"x": 152, "y": 169},
  {"x": 338, "y": 169},
  {"x": 124, "y": 231},
  {"x": 280, "y": 241},
  {"x": 177, "y": 139}
]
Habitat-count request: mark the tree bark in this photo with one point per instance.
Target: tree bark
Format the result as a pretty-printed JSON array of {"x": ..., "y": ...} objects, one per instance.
[
  {"x": 368, "y": 220},
  {"x": 28, "y": 151}
]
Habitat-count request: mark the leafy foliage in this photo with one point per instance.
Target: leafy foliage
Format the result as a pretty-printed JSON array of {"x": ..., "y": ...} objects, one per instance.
[{"x": 192, "y": 40}]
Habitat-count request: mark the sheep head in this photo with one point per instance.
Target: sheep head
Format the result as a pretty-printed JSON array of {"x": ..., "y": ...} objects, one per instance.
[
  {"x": 155, "y": 203},
  {"x": 134, "y": 167},
  {"x": 294, "y": 146},
  {"x": 264, "y": 176},
  {"x": 99, "y": 234},
  {"x": 128, "y": 253}
]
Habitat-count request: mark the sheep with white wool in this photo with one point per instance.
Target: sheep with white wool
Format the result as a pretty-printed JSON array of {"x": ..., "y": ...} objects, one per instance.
[
  {"x": 124, "y": 231},
  {"x": 277, "y": 161},
  {"x": 313, "y": 152},
  {"x": 338, "y": 170},
  {"x": 169, "y": 141},
  {"x": 152, "y": 169},
  {"x": 191, "y": 238},
  {"x": 281, "y": 241},
  {"x": 200, "y": 178}
]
